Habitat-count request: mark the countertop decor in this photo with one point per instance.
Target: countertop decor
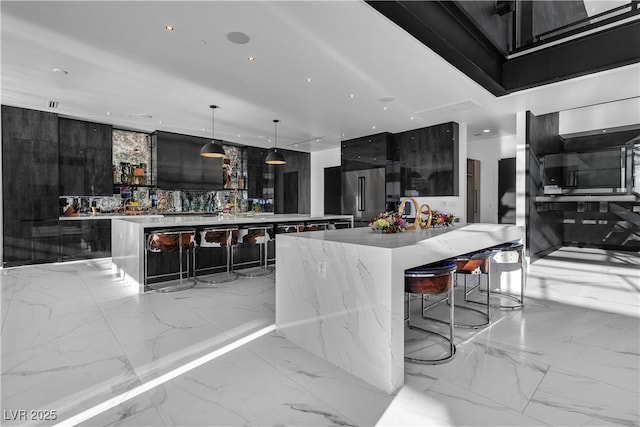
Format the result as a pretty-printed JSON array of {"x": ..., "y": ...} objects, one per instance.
[{"x": 387, "y": 222}]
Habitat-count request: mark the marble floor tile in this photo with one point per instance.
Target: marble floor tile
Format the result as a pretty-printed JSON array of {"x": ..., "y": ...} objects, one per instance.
[
  {"x": 502, "y": 376},
  {"x": 67, "y": 376},
  {"x": 51, "y": 283},
  {"x": 31, "y": 325},
  {"x": 356, "y": 399},
  {"x": 303, "y": 411},
  {"x": 224, "y": 392},
  {"x": 157, "y": 333},
  {"x": 569, "y": 399},
  {"x": 138, "y": 411}
]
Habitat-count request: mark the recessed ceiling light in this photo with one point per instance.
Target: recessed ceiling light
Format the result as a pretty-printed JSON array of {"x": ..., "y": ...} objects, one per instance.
[
  {"x": 60, "y": 70},
  {"x": 411, "y": 117},
  {"x": 374, "y": 127},
  {"x": 604, "y": 130},
  {"x": 343, "y": 134},
  {"x": 387, "y": 99},
  {"x": 203, "y": 130},
  {"x": 308, "y": 79},
  {"x": 352, "y": 96},
  {"x": 169, "y": 27},
  {"x": 159, "y": 122},
  {"x": 486, "y": 130},
  {"x": 251, "y": 58},
  {"x": 108, "y": 113},
  {"x": 385, "y": 108},
  {"x": 238, "y": 37},
  {"x": 295, "y": 145}
]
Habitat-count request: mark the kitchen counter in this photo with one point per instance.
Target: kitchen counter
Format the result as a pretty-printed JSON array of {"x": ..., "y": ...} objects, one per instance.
[
  {"x": 105, "y": 216},
  {"x": 128, "y": 235},
  {"x": 340, "y": 294}
]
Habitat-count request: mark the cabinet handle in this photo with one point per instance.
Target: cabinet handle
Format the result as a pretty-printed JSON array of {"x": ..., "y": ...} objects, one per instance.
[{"x": 361, "y": 188}]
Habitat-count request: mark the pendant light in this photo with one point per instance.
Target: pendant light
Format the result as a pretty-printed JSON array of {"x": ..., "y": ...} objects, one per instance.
[
  {"x": 211, "y": 149},
  {"x": 275, "y": 157}
]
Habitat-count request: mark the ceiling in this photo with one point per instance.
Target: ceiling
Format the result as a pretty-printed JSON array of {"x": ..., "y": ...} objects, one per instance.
[{"x": 121, "y": 66}]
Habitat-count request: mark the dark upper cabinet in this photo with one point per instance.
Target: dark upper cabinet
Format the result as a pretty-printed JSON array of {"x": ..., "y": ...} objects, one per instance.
[
  {"x": 30, "y": 185},
  {"x": 428, "y": 160},
  {"x": 367, "y": 152},
  {"x": 256, "y": 170},
  {"x": 179, "y": 165},
  {"x": 85, "y": 158},
  {"x": 292, "y": 183}
]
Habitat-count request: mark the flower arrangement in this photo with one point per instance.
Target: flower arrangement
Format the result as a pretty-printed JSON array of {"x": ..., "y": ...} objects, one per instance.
[
  {"x": 441, "y": 218},
  {"x": 387, "y": 222}
]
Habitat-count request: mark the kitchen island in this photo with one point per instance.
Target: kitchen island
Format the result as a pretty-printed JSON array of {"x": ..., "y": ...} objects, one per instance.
[
  {"x": 340, "y": 294},
  {"x": 128, "y": 234}
]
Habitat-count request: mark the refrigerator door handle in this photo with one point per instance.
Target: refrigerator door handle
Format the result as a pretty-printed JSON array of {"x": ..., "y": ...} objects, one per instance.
[{"x": 361, "y": 201}]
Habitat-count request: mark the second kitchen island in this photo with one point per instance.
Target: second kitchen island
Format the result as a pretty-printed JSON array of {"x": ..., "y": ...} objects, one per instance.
[{"x": 340, "y": 294}]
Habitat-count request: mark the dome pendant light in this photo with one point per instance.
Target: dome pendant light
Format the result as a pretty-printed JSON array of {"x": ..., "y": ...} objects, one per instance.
[
  {"x": 275, "y": 157},
  {"x": 211, "y": 149}
]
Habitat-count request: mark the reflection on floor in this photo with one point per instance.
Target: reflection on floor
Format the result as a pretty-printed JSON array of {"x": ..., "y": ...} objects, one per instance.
[{"x": 74, "y": 336}]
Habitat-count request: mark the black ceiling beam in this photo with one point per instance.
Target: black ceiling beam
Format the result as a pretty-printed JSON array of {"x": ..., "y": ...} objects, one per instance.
[
  {"x": 445, "y": 29},
  {"x": 604, "y": 50},
  {"x": 448, "y": 31}
]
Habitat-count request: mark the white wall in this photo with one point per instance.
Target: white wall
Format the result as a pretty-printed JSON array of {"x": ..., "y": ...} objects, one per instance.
[
  {"x": 601, "y": 116},
  {"x": 456, "y": 205},
  {"x": 489, "y": 152},
  {"x": 319, "y": 161}
]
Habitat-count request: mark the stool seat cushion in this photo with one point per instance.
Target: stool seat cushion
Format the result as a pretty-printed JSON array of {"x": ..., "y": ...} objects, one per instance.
[
  {"x": 429, "y": 279},
  {"x": 164, "y": 242},
  {"x": 473, "y": 263},
  {"x": 214, "y": 238}
]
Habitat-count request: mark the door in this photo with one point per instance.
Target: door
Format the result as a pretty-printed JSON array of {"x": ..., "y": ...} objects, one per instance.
[
  {"x": 291, "y": 192},
  {"x": 473, "y": 190}
]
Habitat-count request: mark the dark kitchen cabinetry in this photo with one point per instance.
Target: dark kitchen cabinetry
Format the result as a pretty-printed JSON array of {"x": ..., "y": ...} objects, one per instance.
[
  {"x": 367, "y": 152},
  {"x": 82, "y": 239},
  {"x": 259, "y": 174},
  {"x": 85, "y": 158},
  {"x": 429, "y": 160},
  {"x": 30, "y": 186},
  {"x": 293, "y": 183}
]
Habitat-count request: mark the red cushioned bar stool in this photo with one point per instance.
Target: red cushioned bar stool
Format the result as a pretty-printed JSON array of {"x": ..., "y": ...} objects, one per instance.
[
  {"x": 428, "y": 280},
  {"x": 218, "y": 237},
  {"x": 171, "y": 240}
]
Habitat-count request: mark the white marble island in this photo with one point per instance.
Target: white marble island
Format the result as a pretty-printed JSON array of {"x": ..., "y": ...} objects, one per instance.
[
  {"x": 340, "y": 294},
  {"x": 128, "y": 235}
]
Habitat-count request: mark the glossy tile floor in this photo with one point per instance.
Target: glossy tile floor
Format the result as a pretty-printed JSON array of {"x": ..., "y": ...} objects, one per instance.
[{"x": 74, "y": 336}]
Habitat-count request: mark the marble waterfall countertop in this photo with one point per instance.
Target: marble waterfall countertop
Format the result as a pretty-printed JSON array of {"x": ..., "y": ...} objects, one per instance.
[
  {"x": 128, "y": 241},
  {"x": 340, "y": 294}
]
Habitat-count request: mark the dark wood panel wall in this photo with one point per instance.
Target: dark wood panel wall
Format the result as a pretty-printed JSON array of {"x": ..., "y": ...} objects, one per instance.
[
  {"x": 544, "y": 231},
  {"x": 296, "y": 162}
]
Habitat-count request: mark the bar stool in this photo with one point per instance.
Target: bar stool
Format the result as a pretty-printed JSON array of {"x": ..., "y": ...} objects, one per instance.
[
  {"x": 311, "y": 226},
  {"x": 256, "y": 235},
  {"x": 159, "y": 241},
  {"x": 339, "y": 225},
  {"x": 219, "y": 237},
  {"x": 289, "y": 228},
  {"x": 431, "y": 279},
  {"x": 511, "y": 253},
  {"x": 475, "y": 263}
]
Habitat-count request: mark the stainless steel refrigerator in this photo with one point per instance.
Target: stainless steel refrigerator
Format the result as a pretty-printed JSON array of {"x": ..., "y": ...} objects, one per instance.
[{"x": 363, "y": 194}]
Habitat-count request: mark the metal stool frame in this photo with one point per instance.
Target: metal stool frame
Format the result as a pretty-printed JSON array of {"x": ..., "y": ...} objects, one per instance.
[
  {"x": 231, "y": 275},
  {"x": 263, "y": 252},
  {"x": 519, "y": 249},
  {"x": 431, "y": 271},
  {"x": 148, "y": 248}
]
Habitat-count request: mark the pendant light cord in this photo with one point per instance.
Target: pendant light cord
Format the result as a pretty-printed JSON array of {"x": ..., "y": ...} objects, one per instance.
[
  {"x": 213, "y": 123},
  {"x": 275, "y": 125}
]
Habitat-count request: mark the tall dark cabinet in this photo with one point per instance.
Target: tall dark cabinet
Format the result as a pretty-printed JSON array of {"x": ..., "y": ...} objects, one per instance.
[
  {"x": 85, "y": 158},
  {"x": 429, "y": 160},
  {"x": 292, "y": 183},
  {"x": 30, "y": 186}
]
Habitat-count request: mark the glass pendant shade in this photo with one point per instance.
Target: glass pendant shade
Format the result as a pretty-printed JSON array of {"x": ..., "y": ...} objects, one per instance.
[
  {"x": 275, "y": 157},
  {"x": 212, "y": 149}
]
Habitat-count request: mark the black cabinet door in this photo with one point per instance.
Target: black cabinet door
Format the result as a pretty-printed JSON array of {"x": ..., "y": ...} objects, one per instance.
[
  {"x": 255, "y": 172},
  {"x": 367, "y": 152},
  {"x": 429, "y": 160},
  {"x": 85, "y": 158},
  {"x": 82, "y": 239},
  {"x": 30, "y": 188}
]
